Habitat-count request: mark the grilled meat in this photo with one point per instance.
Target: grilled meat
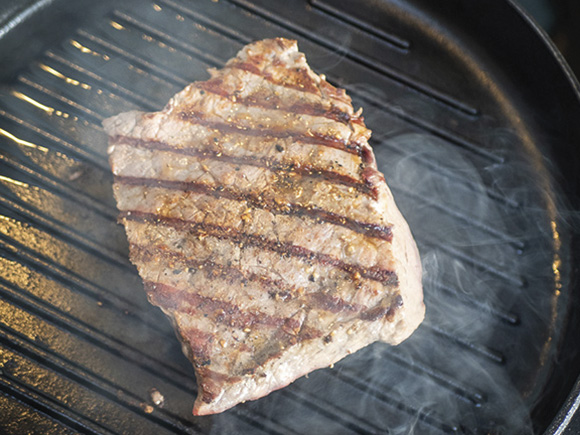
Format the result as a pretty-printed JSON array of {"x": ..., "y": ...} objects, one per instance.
[{"x": 260, "y": 225}]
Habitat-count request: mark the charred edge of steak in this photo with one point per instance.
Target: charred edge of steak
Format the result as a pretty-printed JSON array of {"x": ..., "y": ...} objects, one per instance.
[
  {"x": 195, "y": 343},
  {"x": 268, "y": 204},
  {"x": 386, "y": 277},
  {"x": 209, "y": 382}
]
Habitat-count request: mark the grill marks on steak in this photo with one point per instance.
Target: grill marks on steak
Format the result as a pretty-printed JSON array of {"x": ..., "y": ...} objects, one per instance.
[
  {"x": 276, "y": 273},
  {"x": 285, "y": 188},
  {"x": 260, "y": 225},
  {"x": 299, "y": 227},
  {"x": 242, "y": 239},
  {"x": 268, "y": 96},
  {"x": 258, "y": 201},
  {"x": 293, "y": 166}
]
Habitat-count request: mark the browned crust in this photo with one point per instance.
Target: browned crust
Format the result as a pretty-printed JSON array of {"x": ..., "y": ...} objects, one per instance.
[
  {"x": 300, "y": 168},
  {"x": 262, "y": 202},
  {"x": 199, "y": 118},
  {"x": 298, "y": 79},
  {"x": 276, "y": 289},
  {"x": 334, "y": 113},
  {"x": 386, "y": 277},
  {"x": 179, "y": 300},
  {"x": 286, "y": 331}
]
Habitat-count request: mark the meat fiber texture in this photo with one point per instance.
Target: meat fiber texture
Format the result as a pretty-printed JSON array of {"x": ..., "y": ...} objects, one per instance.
[{"x": 260, "y": 225}]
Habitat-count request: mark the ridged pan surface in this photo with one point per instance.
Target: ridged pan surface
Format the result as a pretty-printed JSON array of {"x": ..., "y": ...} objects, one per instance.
[{"x": 81, "y": 349}]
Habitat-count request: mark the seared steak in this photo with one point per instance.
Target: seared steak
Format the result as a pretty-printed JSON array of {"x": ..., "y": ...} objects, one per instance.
[{"x": 260, "y": 225}]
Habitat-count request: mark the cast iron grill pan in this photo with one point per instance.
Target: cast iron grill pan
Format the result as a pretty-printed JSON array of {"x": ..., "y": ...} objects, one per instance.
[{"x": 459, "y": 142}]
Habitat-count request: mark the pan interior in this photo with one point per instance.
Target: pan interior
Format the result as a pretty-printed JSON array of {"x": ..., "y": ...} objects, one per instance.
[{"x": 81, "y": 348}]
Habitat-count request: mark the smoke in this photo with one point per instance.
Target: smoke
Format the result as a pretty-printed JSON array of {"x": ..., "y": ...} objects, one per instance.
[
  {"x": 479, "y": 361},
  {"x": 488, "y": 254}
]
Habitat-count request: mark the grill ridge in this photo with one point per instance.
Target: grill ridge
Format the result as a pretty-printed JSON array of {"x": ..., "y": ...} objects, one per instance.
[
  {"x": 473, "y": 220},
  {"x": 433, "y": 167},
  {"x": 88, "y": 112},
  {"x": 433, "y": 422},
  {"x": 395, "y": 41},
  {"x": 160, "y": 71},
  {"x": 506, "y": 316},
  {"x": 86, "y": 379},
  {"x": 180, "y": 379},
  {"x": 86, "y": 155},
  {"x": 476, "y": 262},
  {"x": 61, "y": 188},
  {"x": 208, "y": 59},
  {"x": 50, "y": 225},
  {"x": 212, "y": 24},
  {"x": 57, "y": 272},
  {"x": 492, "y": 354},
  {"x": 129, "y": 95},
  {"x": 469, "y": 394},
  {"x": 36, "y": 400}
]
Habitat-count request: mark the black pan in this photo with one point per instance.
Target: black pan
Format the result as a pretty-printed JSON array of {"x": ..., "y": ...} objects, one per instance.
[{"x": 475, "y": 125}]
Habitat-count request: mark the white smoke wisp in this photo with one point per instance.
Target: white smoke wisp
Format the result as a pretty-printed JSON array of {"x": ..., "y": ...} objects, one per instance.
[
  {"x": 487, "y": 250},
  {"x": 478, "y": 362}
]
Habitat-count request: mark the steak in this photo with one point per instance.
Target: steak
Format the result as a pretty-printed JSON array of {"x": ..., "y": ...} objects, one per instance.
[{"x": 260, "y": 225}]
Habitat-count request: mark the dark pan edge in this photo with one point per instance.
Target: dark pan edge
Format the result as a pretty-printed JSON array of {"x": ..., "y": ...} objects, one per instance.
[{"x": 567, "y": 419}]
